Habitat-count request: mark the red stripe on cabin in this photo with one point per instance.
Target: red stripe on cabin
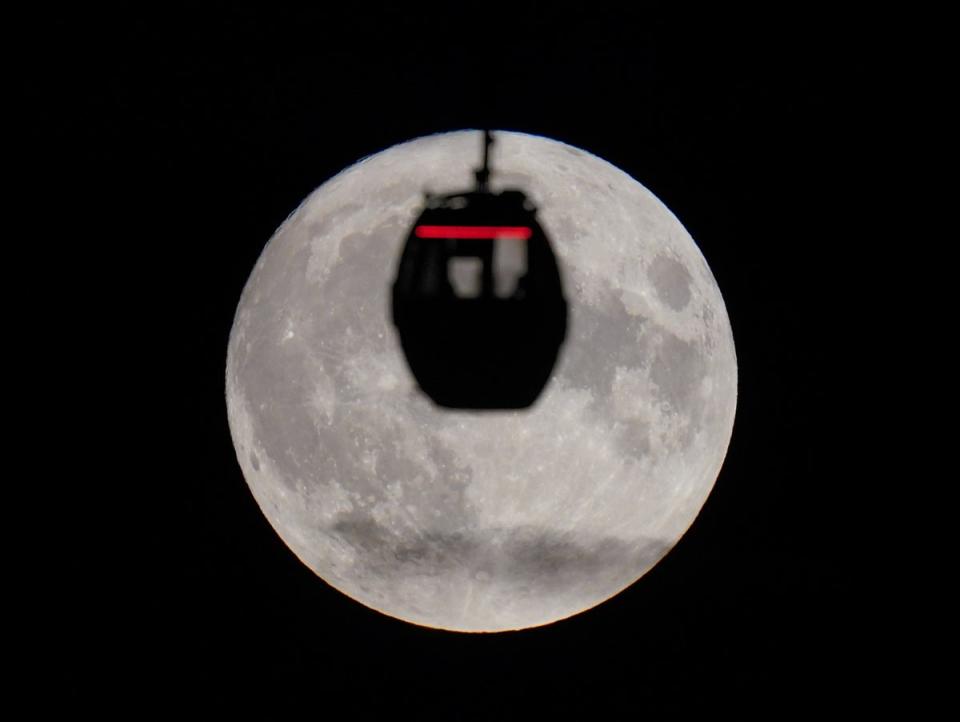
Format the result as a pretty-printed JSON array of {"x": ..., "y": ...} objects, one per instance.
[{"x": 518, "y": 232}]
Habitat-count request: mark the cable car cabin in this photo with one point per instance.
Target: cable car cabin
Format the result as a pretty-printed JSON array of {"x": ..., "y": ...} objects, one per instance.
[{"x": 478, "y": 301}]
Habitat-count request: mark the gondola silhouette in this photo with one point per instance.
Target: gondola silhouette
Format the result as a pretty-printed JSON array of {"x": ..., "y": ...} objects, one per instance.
[{"x": 478, "y": 299}]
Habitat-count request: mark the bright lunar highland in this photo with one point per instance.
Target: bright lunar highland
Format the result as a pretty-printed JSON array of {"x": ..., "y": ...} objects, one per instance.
[{"x": 481, "y": 521}]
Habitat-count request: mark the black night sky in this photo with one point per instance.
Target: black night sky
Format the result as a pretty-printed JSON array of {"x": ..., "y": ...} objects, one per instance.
[{"x": 190, "y": 135}]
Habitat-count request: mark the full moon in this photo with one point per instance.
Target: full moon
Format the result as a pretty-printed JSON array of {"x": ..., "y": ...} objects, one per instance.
[{"x": 496, "y": 520}]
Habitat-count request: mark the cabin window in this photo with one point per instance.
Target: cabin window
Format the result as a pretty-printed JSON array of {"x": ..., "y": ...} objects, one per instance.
[
  {"x": 466, "y": 275},
  {"x": 509, "y": 264}
]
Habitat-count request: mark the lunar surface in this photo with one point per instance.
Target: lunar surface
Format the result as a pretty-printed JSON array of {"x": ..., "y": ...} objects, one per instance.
[{"x": 481, "y": 521}]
